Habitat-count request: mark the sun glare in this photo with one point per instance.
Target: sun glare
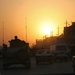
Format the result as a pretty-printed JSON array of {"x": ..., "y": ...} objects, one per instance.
[{"x": 46, "y": 28}]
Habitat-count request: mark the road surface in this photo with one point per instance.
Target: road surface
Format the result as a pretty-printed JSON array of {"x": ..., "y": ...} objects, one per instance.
[{"x": 55, "y": 68}]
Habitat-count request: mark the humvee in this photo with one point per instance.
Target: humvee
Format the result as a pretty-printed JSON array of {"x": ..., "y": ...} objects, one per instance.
[{"x": 16, "y": 54}]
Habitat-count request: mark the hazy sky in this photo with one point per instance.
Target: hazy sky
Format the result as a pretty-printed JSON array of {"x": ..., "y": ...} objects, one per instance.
[{"x": 13, "y": 13}]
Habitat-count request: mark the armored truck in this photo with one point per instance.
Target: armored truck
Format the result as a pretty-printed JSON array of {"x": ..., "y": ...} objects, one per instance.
[{"x": 17, "y": 53}]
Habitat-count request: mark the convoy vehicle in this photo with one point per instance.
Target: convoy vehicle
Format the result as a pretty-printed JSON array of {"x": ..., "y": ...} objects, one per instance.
[
  {"x": 0, "y": 52},
  {"x": 73, "y": 61},
  {"x": 61, "y": 52},
  {"x": 72, "y": 48},
  {"x": 44, "y": 56},
  {"x": 18, "y": 53}
]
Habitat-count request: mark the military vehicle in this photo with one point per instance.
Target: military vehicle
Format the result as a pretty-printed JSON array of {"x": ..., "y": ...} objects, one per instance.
[
  {"x": 17, "y": 53},
  {"x": 43, "y": 56},
  {"x": 61, "y": 52}
]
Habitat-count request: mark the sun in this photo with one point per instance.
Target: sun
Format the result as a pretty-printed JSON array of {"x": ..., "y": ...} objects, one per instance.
[{"x": 46, "y": 28}]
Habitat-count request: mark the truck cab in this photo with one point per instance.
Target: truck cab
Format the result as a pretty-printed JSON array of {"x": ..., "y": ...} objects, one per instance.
[{"x": 61, "y": 52}]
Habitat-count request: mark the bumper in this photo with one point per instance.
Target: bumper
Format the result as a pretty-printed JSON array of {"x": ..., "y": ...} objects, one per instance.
[
  {"x": 44, "y": 58},
  {"x": 66, "y": 57}
]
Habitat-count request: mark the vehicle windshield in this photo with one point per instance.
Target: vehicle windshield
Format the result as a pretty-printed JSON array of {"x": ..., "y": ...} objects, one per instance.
[
  {"x": 39, "y": 52},
  {"x": 61, "y": 48}
]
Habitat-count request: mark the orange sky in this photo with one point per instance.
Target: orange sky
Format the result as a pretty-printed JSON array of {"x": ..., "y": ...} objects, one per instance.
[{"x": 13, "y": 13}]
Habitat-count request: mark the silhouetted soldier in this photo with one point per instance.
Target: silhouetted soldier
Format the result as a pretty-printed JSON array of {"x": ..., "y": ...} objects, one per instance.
[{"x": 4, "y": 49}]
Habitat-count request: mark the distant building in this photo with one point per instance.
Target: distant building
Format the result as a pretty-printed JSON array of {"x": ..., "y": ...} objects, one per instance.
[
  {"x": 39, "y": 43},
  {"x": 17, "y": 42},
  {"x": 45, "y": 43},
  {"x": 49, "y": 41},
  {"x": 60, "y": 39},
  {"x": 69, "y": 34}
]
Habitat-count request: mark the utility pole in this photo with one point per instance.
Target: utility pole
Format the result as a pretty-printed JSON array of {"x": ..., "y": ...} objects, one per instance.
[
  {"x": 3, "y": 31},
  {"x": 26, "y": 27},
  {"x": 58, "y": 30},
  {"x": 43, "y": 37},
  {"x": 51, "y": 33},
  {"x": 66, "y": 23}
]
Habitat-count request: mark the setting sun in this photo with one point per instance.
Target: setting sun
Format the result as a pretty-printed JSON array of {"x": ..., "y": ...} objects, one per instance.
[
  {"x": 46, "y": 28},
  {"x": 43, "y": 18}
]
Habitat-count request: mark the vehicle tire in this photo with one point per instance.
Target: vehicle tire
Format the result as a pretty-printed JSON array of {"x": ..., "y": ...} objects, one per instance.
[
  {"x": 73, "y": 66},
  {"x": 61, "y": 60},
  {"x": 28, "y": 65},
  {"x": 5, "y": 66},
  {"x": 51, "y": 61},
  {"x": 54, "y": 60},
  {"x": 37, "y": 62},
  {"x": 66, "y": 59}
]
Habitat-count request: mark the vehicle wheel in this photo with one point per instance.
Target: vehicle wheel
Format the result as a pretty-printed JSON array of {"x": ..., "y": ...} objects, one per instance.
[
  {"x": 28, "y": 65},
  {"x": 70, "y": 58},
  {"x": 51, "y": 61},
  {"x": 54, "y": 60},
  {"x": 61, "y": 60},
  {"x": 73, "y": 66},
  {"x": 66, "y": 59},
  {"x": 37, "y": 62},
  {"x": 5, "y": 66}
]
